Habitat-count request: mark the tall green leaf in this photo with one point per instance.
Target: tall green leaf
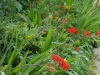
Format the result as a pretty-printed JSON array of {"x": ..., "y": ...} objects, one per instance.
[{"x": 48, "y": 40}]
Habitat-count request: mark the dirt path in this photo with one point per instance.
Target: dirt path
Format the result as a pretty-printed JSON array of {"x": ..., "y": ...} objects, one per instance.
[{"x": 97, "y": 54}]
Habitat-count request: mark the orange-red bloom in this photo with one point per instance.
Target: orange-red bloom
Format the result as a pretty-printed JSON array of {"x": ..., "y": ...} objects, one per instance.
[
  {"x": 43, "y": 16},
  {"x": 61, "y": 6},
  {"x": 86, "y": 33},
  {"x": 97, "y": 6},
  {"x": 72, "y": 30},
  {"x": 55, "y": 17},
  {"x": 76, "y": 48},
  {"x": 63, "y": 21},
  {"x": 97, "y": 33},
  {"x": 31, "y": 5},
  {"x": 38, "y": 1},
  {"x": 64, "y": 65}
]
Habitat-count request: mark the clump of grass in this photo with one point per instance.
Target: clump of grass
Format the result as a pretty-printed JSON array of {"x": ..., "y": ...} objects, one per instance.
[{"x": 91, "y": 67}]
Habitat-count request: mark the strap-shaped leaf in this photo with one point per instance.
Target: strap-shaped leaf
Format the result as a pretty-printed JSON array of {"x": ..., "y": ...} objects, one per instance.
[
  {"x": 72, "y": 59},
  {"x": 48, "y": 40},
  {"x": 41, "y": 70},
  {"x": 77, "y": 70},
  {"x": 39, "y": 19},
  {"x": 21, "y": 63}
]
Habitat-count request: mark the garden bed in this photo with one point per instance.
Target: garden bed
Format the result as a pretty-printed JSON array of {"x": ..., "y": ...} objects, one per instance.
[{"x": 48, "y": 37}]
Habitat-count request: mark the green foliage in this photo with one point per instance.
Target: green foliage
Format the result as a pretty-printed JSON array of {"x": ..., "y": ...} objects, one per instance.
[{"x": 32, "y": 30}]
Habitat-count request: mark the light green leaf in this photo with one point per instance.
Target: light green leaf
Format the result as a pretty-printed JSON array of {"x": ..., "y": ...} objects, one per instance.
[
  {"x": 18, "y": 6},
  {"x": 2, "y": 73}
]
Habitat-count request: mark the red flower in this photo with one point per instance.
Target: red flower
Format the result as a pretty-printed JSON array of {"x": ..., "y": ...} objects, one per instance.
[
  {"x": 61, "y": 6},
  {"x": 60, "y": 61},
  {"x": 55, "y": 17},
  {"x": 97, "y": 33},
  {"x": 97, "y": 6},
  {"x": 31, "y": 5},
  {"x": 63, "y": 21},
  {"x": 65, "y": 66},
  {"x": 86, "y": 33},
  {"x": 76, "y": 48},
  {"x": 55, "y": 57},
  {"x": 38, "y": 1},
  {"x": 72, "y": 30}
]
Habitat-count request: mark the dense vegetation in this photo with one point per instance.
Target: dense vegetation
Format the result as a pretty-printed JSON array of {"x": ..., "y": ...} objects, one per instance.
[{"x": 48, "y": 37}]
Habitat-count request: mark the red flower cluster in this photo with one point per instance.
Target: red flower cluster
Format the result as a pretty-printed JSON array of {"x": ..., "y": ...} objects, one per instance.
[
  {"x": 86, "y": 33},
  {"x": 76, "y": 48},
  {"x": 60, "y": 61},
  {"x": 97, "y": 33},
  {"x": 63, "y": 21},
  {"x": 72, "y": 30},
  {"x": 61, "y": 6}
]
